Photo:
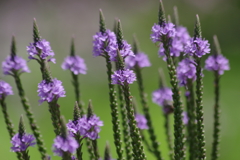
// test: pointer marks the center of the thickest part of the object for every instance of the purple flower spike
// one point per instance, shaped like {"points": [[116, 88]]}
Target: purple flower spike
{"points": [[49, 91], [104, 42], [75, 64], [186, 70], [14, 64], [162, 95], [140, 60], [41, 49], [5, 89], [175, 49], [124, 52], [68, 144], [182, 35], [90, 127], [197, 47], [141, 121], [123, 76], [217, 63], [168, 30], [22, 143]]}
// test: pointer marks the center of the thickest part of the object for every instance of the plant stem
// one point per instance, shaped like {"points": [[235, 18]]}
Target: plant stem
{"points": [[168, 134]]}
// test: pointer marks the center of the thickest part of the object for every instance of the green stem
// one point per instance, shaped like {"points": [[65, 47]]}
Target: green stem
{"points": [[199, 111], [95, 149], [55, 116], [168, 134], [9, 123], [191, 126], [216, 128], [114, 111], [90, 149], [154, 142], [79, 149], [25, 155], [138, 149], [29, 114], [179, 149], [66, 156]]}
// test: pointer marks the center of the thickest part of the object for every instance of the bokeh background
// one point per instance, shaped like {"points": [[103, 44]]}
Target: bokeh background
{"points": [[58, 20]]}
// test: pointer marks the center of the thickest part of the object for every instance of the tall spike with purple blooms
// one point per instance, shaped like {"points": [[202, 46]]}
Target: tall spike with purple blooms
{"points": [[77, 66], [5, 90], [21, 141], [164, 32], [124, 77], [218, 64], [64, 145], [140, 61], [15, 66], [103, 42]]}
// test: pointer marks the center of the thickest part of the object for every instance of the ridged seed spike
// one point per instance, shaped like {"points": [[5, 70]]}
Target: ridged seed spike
{"points": [[175, 16], [119, 35], [36, 35], [115, 26], [64, 132], [13, 47], [161, 14], [120, 62], [102, 26], [107, 155], [76, 112], [135, 45], [162, 82], [197, 29], [21, 127], [72, 51], [90, 109], [216, 46]]}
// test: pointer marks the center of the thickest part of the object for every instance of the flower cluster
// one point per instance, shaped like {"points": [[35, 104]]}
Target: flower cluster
{"points": [[141, 60], [162, 95], [22, 142], [167, 29], [49, 91], [197, 47], [186, 70], [125, 51], [141, 121], [123, 76], [75, 64], [64, 144], [14, 64], [217, 63], [5, 89], [86, 127], [42, 49], [104, 42]]}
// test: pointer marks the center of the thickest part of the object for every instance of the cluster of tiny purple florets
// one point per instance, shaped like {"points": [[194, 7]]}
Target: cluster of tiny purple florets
{"points": [[64, 144], [21, 143], [141, 121], [159, 31], [122, 77], [86, 127], [217, 63], [162, 95], [14, 64], [75, 64], [141, 60], [49, 91], [186, 70], [197, 47], [104, 43], [42, 49], [5, 89]]}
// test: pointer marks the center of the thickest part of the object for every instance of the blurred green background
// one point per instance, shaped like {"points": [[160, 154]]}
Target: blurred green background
{"points": [[58, 20]]}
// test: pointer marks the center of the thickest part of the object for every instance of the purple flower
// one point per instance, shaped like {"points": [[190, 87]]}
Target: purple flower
{"points": [[49, 91], [217, 63], [68, 144], [42, 49], [123, 76], [104, 42], [124, 52], [5, 89], [176, 48], [167, 29], [140, 60], [182, 35], [75, 64], [197, 47], [162, 95], [185, 118], [14, 64], [186, 70], [141, 121], [21, 143], [86, 127]]}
